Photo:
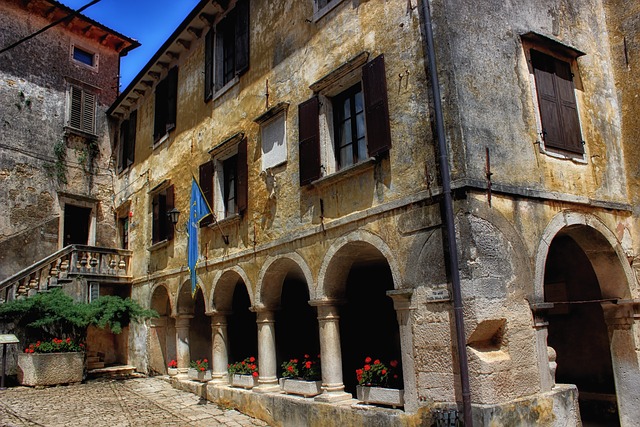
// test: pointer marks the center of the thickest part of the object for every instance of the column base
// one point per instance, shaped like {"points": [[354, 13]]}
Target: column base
{"points": [[333, 396], [267, 386], [219, 378]]}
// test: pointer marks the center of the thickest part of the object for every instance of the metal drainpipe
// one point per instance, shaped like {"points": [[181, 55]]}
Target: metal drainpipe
{"points": [[449, 221]]}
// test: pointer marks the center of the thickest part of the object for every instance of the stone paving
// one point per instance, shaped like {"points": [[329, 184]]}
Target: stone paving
{"points": [[114, 403]]}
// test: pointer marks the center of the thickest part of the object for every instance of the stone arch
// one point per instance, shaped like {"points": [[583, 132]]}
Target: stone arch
{"points": [[599, 244], [158, 291], [184, 299], [360, 246], [224, 285], [161, 341], [272, 276]]}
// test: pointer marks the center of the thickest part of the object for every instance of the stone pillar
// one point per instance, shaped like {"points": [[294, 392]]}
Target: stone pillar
{"points": [[157, 345], [621, 321], [402, 304], [182, 342], [541, 326], [267, 363], [219, 346], [330, 352]]}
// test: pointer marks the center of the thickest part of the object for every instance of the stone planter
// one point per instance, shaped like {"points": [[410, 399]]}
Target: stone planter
{"points": [[40, 369], [202, 376], [379, 395], [244, 381], [300, 387], [172, 371]]}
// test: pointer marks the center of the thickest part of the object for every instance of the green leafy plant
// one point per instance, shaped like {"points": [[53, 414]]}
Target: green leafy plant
{"points": [[307, 369], [247, 366], [59, 167], [56, 345], [54, 314], [199, 365], [376, 373]]}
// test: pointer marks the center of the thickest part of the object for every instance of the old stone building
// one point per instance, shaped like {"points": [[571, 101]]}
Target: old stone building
{"points": [[56, 172], [312, 128]]}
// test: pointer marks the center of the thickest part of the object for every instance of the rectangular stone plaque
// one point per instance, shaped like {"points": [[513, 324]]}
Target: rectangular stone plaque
{"points": [[8, 339]]}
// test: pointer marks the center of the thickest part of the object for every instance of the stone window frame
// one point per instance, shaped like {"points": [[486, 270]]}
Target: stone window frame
{"points": [[234, 146], [75, 46], [320, 11]]}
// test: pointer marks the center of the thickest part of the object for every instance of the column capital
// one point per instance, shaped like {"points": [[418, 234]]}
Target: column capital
{"points": [[327, 302], [401, 298], [216, 313]]}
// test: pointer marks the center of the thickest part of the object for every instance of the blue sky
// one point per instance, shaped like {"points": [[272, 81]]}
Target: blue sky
{"points": [[150, 22]]}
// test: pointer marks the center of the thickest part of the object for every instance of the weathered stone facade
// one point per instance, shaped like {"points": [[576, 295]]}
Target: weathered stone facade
{"points": [[49, 160], [351, 263]]}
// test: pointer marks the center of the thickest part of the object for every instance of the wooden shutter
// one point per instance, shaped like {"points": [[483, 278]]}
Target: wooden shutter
{"points": [[75, 109], [160, 116], [557, 103], [208, 66], [122, 142], [169, 204], [206, 185], [131, 137], [218, 69], [374, 86], [88, 112], [242, 175], [155, 215], [172, 98], [242, 36], [309, 140]]}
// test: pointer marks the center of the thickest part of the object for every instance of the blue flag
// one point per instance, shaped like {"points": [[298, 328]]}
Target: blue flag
{"points": [[198, 209]]}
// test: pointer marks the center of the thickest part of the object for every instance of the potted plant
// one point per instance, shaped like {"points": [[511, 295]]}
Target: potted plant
{"points": [[244, 373], [51, 362], [172, 368], [199, 370], [302, 377], [379, 384]]}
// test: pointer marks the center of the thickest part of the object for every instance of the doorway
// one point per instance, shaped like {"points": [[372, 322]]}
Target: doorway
{"points": [[76, 225]]}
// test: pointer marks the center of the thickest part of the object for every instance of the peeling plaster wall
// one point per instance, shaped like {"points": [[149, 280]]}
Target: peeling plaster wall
{"points": [[34, 79]]}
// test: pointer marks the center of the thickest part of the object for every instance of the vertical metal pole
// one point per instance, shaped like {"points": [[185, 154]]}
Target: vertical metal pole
{"points": [[449, 219]]}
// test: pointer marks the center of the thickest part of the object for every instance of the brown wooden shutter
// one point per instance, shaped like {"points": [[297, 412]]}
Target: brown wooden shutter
{"points": [[155, 215], [170, 204], [122, 142], [88, 112], [242, 36], [374, 86], [242, 175], [160, 116], [206, 185], [172, 98], [208, 66], [309, 140], [218, 65], [556, 100], [131, 137], [75, 109]]}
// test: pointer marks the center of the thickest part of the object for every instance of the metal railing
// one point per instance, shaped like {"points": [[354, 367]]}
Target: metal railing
{"points": [[95, 263]]}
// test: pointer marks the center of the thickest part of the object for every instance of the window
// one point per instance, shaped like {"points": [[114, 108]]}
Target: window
{"points": [[322, 7], [82, 110], [123, 225], [273, 135], [127, 141], [94, 291], [166, 105], [341, 127], [206, 185], [231, 49], [84, 57], [557, 103], [162, 202], [230, 190]]}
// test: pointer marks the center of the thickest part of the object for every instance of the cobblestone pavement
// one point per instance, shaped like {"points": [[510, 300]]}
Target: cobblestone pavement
{"points": [[114, 403]]}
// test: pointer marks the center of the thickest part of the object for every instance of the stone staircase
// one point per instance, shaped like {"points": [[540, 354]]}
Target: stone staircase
{"points": [[95, 360]]}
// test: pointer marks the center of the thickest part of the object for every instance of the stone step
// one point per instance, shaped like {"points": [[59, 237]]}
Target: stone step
{"points": [[117, 371], [95, 365]]}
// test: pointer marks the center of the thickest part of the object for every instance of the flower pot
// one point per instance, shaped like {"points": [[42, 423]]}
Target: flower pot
{"points": [[202, 376], [172, 371], [301, 387], [40, 369], [379, 395], [244, 381]]}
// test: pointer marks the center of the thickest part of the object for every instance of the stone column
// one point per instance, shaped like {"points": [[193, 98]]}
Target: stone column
{"points": [[219, 346], [182, 342], [330, 352], [621, 321], [541, 326], [157, 344], [267, 363], [402, 304]]}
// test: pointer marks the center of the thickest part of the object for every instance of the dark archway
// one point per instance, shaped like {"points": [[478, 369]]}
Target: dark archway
{"points": [[199, 330], [578, 332], [241, 326]]}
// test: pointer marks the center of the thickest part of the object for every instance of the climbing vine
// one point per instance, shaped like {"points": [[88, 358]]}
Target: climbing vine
{"points": [[59, 167]]}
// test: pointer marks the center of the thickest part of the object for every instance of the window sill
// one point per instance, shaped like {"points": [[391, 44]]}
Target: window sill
{"points": [[564, 155], [328, 8], [345, 173], [162, 139], [232, 219], [68, 130], [156, 246], [231, 83]]}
